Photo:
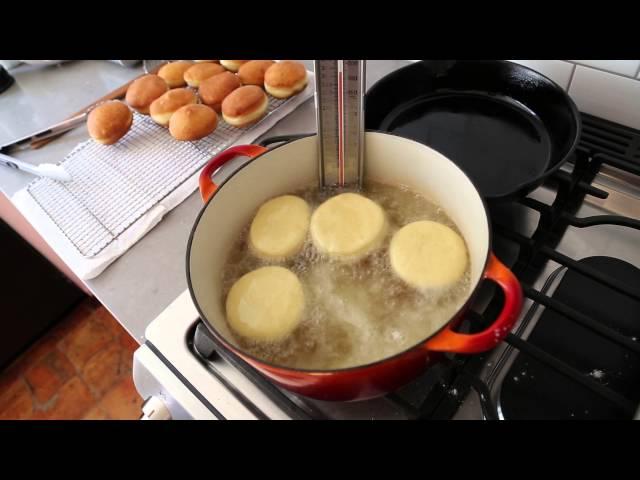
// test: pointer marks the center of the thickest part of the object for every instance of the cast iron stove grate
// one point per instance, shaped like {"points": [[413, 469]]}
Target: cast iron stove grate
{"points": [[582, 358]]}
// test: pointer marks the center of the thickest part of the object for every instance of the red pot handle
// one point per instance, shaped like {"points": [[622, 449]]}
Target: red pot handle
{"points": [[207, 187], [450, 341]]}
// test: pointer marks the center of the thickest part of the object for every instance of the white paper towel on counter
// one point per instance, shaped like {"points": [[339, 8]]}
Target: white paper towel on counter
{"points": [[90, 267]]}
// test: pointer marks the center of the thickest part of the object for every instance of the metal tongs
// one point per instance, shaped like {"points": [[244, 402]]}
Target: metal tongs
{"points": [[57, 129], [339, 97]]}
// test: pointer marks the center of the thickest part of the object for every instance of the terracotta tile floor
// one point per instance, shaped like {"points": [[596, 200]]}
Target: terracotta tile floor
{"points": [[81, 369]]}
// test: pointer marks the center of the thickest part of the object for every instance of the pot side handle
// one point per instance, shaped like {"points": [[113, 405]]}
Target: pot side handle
{"points": [[283, 139], [207, 187], [450, 341]]}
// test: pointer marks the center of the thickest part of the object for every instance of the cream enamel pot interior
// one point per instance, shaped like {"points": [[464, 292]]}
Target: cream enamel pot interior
{"points": [[388, 159]]}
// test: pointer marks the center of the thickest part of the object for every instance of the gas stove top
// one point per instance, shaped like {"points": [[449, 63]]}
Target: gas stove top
{"points": [[575, 352]]}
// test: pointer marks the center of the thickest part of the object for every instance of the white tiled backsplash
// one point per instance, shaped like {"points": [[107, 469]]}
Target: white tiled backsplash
{"points": [[609, 89]]}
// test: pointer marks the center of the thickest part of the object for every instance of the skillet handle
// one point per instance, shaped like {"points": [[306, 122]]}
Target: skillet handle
{"points": [[450, 341], [207, 187]]}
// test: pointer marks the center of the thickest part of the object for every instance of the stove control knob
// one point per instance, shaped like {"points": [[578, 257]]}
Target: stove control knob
{"points": [[154, 409]]}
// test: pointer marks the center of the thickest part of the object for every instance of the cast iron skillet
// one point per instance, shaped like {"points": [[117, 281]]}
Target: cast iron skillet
{"points": [[507, 126]]}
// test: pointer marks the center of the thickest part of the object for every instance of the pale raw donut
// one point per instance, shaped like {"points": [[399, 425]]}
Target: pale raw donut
{"points": [[280, 227], [428, 254], [266, 304], [348, 226]]}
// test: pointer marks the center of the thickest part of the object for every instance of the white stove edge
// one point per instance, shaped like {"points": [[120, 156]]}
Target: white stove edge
{"points": [[153, 377]]}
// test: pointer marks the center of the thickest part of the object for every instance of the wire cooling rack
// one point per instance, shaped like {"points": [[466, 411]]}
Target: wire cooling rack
{"points": [[115, 185]]}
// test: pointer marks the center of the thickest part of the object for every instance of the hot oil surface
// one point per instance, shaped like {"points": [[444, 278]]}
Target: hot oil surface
{"points": [[355, 313]]}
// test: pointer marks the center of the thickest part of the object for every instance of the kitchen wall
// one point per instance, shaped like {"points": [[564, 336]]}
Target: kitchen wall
{"points": [[609, 89]]}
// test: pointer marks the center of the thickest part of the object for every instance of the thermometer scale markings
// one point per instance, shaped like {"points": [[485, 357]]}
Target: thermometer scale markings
{"points": [[353, 128], [339, 86]]}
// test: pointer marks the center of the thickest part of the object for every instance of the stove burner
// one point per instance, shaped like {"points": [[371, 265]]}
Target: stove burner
{"points": [[533, 390]]}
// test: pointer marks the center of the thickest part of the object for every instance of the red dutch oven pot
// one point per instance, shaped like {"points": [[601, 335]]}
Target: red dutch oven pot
{"points": [[393, 160]]}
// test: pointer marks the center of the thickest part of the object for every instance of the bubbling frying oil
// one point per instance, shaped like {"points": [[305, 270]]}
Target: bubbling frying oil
{"points": [[355, 313]]}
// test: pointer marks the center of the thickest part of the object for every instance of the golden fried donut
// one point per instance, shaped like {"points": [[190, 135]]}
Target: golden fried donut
{"points": [[233, 65], [164, 107], [201, 71], [173, 73], [193, 122], [285, 79], [244, 106], [215, 89], [109, 122], [252, 72], [143, 91]]}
